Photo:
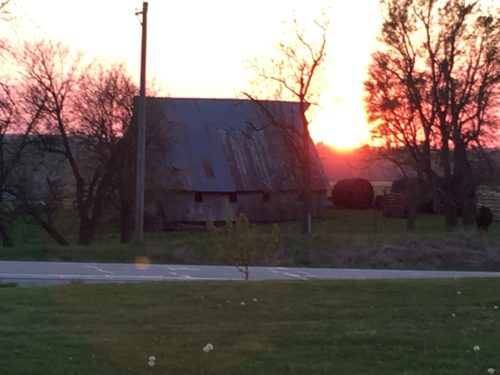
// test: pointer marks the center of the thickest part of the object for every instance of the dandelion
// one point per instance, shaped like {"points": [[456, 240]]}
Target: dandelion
{"points": [[255, 299], [491, 370], [476, 348], [151, 360], [207, 348]]}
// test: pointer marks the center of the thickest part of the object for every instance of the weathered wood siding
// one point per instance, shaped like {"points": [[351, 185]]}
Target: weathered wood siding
{"points": [[175, 207]]}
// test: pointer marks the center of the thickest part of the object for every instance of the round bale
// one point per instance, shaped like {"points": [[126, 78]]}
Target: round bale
{"points": [[354, 193]]}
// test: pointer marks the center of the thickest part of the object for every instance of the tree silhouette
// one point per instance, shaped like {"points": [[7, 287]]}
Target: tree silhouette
{"points": [[103, 112], [433, 91], [85, 111], [4, 10], [17, 122], [295, 74]]}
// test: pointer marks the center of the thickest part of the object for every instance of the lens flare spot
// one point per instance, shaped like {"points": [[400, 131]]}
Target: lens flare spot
{"points": [[142, 262]]}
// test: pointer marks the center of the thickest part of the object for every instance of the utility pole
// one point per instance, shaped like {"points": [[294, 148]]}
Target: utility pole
{"points": [[141, 134]]}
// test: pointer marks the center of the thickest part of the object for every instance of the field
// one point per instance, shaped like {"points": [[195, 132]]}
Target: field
{"points": [[315, 327], [344, 238]]}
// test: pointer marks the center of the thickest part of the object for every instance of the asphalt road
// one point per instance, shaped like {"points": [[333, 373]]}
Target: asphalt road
{"points": [[48, 273]]}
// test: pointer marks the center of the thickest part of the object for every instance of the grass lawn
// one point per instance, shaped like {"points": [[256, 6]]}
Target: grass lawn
{"points": [[315, 327]]}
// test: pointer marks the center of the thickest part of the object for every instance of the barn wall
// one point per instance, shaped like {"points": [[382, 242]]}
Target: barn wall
{"points": [[279, 207], [181, 207]]}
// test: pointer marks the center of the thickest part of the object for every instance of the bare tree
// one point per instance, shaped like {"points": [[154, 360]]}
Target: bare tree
{"points": [[11, 147], [5, 16], [5, 13], [16, 125], [103, 111], [85, 111], [50, 74], [17, 122], [17, 159], [433, 90], [294, 74]]}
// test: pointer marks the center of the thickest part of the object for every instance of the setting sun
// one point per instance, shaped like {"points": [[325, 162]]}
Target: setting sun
{"points": [[340, 120], [343, 127]]}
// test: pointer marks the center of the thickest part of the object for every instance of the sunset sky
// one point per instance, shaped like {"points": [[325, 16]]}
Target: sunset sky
{"points": [[199, 48]]}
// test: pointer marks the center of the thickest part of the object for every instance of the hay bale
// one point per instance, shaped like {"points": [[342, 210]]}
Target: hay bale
{"points": [[356, 193]]}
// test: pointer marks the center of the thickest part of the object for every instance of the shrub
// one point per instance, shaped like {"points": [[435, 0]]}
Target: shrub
{"points": [[241, 244]]}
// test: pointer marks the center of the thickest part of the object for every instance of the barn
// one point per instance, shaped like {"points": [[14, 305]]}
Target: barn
{"points": [[212, 159]]}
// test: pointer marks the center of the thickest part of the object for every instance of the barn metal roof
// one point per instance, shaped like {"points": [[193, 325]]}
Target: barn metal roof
{"points": [[212, 146]]}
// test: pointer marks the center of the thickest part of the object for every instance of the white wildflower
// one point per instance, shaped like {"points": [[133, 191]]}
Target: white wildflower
{"points": [[459, 292], [207, 348], [454, 315], [242, 303], [151, 363], [255, 299], [152, 358], [476, 348], [491, 370], [495, 307]]}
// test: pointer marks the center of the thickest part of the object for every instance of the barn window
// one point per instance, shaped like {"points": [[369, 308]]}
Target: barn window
{"points": [[266, 197], [198, 197], [232, 198]]}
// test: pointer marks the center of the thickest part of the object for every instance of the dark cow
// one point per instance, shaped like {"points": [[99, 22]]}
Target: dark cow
{"points": [[484, 217]]}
